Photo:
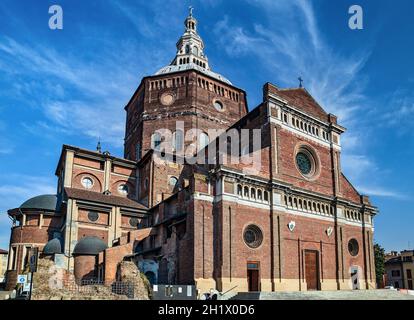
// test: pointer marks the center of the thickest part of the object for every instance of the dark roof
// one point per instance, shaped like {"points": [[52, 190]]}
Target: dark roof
{"points": [[394, 260], [3, 251], [89, 246], [102, 198], [301, 99], [45, 202], [54, 246]]}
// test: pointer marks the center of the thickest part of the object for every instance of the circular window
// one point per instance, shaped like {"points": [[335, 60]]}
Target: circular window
{"points": [[134, 222], [218, 105], [167, 99], [93, 216], [253, 236], [87, 183], [123, 189], [353, 247], [306, 162]]}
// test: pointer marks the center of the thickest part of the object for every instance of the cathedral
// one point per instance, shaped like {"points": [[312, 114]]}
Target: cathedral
{"points": [[286, 220]]}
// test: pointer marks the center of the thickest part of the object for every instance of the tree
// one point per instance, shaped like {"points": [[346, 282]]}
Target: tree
{"points": [[379, 253]]}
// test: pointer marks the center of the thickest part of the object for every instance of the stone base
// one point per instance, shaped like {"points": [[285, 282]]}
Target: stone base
{"points": [[240, 285], [329, 285], [205, 285]]}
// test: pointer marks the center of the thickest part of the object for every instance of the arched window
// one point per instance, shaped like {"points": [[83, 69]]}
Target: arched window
{"points": [[259, 195], [246, 192], [195, 50], [173, 182], [177, 140], [156, 141], [253, 193], [203, 141], [239, 190], [187, 49], [266, 196]]}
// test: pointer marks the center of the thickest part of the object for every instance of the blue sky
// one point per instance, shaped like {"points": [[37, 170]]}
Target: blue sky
{"points": [[70, 86]]}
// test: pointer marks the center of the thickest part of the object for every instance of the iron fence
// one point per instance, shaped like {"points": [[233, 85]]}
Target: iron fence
{"points": [[92, 286]]}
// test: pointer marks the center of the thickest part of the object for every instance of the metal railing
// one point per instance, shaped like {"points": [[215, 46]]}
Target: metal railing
{"points": [[91, 286]]}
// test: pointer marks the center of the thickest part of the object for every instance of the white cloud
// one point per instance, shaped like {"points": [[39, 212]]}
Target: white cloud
{"points": [[102, 85], [379, 192], [17, 188], [400, 112], [291, 46]]}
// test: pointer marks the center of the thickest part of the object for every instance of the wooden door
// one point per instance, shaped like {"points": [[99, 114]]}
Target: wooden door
{"points": [[253, 279], [311, 270], [253, 276]]}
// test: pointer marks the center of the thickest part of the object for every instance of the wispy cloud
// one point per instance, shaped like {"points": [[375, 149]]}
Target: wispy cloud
{"points": [[293, 45], [17, 188], [379, 192], [399, 113], [84, 94]]}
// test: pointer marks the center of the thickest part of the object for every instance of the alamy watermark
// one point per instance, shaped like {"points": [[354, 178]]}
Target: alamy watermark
{"points": [[56, 20], [356, 21]]}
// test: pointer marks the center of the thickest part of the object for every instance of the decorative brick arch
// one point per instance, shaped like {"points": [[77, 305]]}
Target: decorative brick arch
{"points": [[97, 183]]}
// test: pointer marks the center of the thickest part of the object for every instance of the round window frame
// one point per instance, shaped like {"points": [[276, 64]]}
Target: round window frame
{"points": [[314, 159], [259, 236], [220, 103], [355, 244], [89, 178], [123, 192], [133, 225], [164, 101], [93, 219]]}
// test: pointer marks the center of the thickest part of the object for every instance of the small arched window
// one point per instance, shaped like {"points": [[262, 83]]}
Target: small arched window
{"points": [[266, 196], [203, 141], [239, 190], [246, 192], [187, 49], [156, 141], [259, 195], [173, 182], [177, 140], [195, 50], [253, 193]]}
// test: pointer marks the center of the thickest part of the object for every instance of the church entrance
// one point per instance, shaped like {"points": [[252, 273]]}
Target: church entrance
{"points": [[312, 269], [253, 276], [355, 278]]}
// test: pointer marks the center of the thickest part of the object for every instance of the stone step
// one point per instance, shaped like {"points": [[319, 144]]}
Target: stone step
{"points": [[325, 295]]}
